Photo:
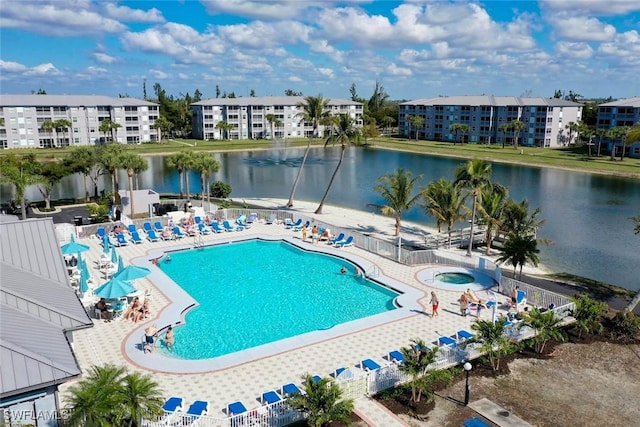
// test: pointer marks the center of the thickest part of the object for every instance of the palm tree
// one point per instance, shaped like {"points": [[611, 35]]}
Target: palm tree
{"points": [[49, 174], [546, 327], [130, 162], [180, 162], [110, 160], [225, 129], [571, 127], [274, 121], [140, 398], [417, 359], [206, 165], [633, 134], [114, 130], [396, 190], [516, 127], [494, 342], [443, 200], [63, 125], [520, 249], [600, 133], [517, 219], [491, 206], [138, 168], [19, 172], [417, 122], [49, 127], [162, 126], [344, 132], [322, 402], [504, 128], [473, 176], [617, 134], [387, 121], [461, 128], [105, 128], [588, 314], [85, 160], [314, 111]]}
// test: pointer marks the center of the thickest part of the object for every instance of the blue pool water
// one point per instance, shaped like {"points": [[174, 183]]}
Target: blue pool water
{"points": [[256, 292]]}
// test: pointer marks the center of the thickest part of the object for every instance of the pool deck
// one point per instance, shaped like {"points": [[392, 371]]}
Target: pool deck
{"points": [[247, 378]]}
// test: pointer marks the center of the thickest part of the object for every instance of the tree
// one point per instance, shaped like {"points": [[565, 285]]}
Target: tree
{"points": [[130, 161], [291, 92], [180, 162], [504, 128], [274, 121], [518, 220], [314, 110], [633, 135], [474, 176], [224, 128], [110, 159], [600, 133], [417, 359], [114, 130], [322, 402], [617, 135], [443, 200], [491, 207], [217, 91], [49, 174], [571, 127], [344, 132], [110, 397], [205, 165], [163, 126], [63, 125], [494, 342], [19, 172], [138, 168], [378, 98], [518, 250], [516, 126], [546, 327], [417, 122], [49, 127], [252, 93], [588, 314], [85, 160], [459, 128], [396, 191]]}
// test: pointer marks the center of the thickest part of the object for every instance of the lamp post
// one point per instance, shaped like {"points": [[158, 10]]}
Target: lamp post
{"points": [[467, 367]]}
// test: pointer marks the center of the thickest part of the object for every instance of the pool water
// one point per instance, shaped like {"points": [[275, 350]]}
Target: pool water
{"points": [[455, 278], [256, 292]]}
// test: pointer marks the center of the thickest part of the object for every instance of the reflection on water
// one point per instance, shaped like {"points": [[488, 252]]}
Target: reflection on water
{"points": [[587, 216]]}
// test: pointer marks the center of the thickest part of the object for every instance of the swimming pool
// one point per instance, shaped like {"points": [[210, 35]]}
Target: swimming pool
{"points": [[455, 278], [256, 292]]}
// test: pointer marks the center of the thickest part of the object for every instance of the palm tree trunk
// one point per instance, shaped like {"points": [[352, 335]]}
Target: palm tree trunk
{"points": [[130, 173], [86, 188], [295, 183], [202, 186], [634, 302], [113, 186], [181, 184], [186, 180], [333, 177], [473, 220]]}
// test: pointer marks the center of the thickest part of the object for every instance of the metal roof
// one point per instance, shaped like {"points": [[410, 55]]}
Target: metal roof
{"points": [[37, 307], [69, 101], [496, 101], [269, 100], [629, 102]]}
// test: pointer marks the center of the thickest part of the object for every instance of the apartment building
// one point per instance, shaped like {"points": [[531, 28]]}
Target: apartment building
{"points": [[247, 117], [545, 119], [624, 112], [23, 117]]}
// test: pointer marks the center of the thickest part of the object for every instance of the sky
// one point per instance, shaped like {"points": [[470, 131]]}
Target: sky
{"points": [[416, 49]]}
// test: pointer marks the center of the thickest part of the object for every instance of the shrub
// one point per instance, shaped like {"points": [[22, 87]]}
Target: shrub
{"points": [[625, 326], [588, 314], [220, 190]]}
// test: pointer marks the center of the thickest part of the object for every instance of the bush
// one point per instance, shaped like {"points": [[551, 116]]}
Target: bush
{"points": [[220, 190], [625, 326]]}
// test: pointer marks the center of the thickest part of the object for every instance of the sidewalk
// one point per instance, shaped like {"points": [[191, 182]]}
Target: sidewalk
{"points": [[376, 415]]}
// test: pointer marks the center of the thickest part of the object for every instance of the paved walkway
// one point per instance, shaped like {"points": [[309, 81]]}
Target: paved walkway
{"points": [[497, 414], [376, 415]]}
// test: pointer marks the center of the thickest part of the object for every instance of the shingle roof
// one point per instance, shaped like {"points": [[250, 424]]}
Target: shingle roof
{"points": [[69, 100], [496, 101], [629, 102], [37, 307], [269, 100]]}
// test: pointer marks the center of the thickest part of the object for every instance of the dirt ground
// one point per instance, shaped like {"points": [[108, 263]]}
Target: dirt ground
{"points": [[596, 384]]}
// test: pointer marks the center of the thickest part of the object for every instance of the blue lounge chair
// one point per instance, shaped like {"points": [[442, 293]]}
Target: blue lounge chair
{"points": [[474, 422], [216, 227], [197, 409], [464, 335], [343, 373], [339, 238], [236, 408], [173, 404], [178, 233], [271, 219], [147, 227], [294, 224], [396, 356], [135, 237], [204, 229], [289, 389], [253, 217], [131, 228], [316, 378], [300, 227], [269, 397], [101, 232], [446, 341], [227, 226], [369, 365], [121, 240], [242, 221], [152, 236], [344, 243], [157, 226], [521, 297], [198, 220]]}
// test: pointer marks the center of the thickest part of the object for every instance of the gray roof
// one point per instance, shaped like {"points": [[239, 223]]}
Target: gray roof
{"points": [[496, 101], [37, 307], [269, 100], [69, 101], [629, 102]]}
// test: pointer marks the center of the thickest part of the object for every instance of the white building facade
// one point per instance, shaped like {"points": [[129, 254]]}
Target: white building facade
{"points": [[248, 116], [545, 119], [24, 115]]}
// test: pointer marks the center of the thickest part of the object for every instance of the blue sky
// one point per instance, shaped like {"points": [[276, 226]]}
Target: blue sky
{"points": [[417, 49]]}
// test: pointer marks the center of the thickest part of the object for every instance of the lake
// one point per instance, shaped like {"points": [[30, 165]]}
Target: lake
{"points": [[587, 216]]}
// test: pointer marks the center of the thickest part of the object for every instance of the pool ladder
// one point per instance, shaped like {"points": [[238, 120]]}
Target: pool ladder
{"points": [[198, 241], [372, 272]]}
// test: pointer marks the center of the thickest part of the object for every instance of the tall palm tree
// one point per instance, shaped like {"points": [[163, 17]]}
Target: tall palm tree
{"points": [[633, 134], [571, 127], [85, 160], [63, 125], [504, 128], [600, 133], [396, 189], [315, 111], [443, 200], [517, 218], [162, 126], [273, 121], [105, 128], [138, 168], [130, 161], [140, 397], [617, 134], [322, 402], [49, 174], [491, 207], [225, 129], [417, 359], [21, 173], [49, 127], [520, 249], [494, 342], [459, 128], [205, 165], [417, 122], [114, 131], [516, 127], [110, 159], [344, 132], [180, 162], [473, 176]]}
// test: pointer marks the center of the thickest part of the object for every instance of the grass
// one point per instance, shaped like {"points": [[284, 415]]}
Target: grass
{"points": [[569, 158]]}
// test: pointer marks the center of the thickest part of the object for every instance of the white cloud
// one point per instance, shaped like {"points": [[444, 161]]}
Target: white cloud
{"points": [[281, 9], [623, 50], [42, 69], [297, 63], [327, 72], [104, 58], [11, 67], [591, 7], [183, 76], [295, 79], [161, 75], [394, 70], [259, 34], [57, 19], [127, 14], [96, 70], [582, 28], [574, 50]]}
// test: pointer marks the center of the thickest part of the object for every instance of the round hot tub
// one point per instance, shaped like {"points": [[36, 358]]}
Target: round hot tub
{"points": [[455, 278]]}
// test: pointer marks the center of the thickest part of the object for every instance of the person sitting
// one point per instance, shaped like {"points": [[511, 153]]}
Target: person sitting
{"points": [[326, 234], [167, 234], [132, 310], [117, 229], [104, 309], [142, 313], [207, 220]]}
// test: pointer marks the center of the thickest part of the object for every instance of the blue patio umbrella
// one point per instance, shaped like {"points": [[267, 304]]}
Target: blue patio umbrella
{"points": [[114, 256], [120, 265], [114, 288], [73, 247], [132, 272], [105, 244], [84, 281]]}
